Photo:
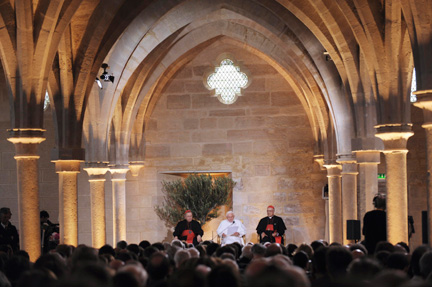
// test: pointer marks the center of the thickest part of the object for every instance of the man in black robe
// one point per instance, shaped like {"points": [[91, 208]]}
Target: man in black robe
{"points": [[8, 232], [188, 229], [271, 228]]}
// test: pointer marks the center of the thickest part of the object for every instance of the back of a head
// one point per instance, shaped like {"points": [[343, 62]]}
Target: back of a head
{"points": [[272, 250], [121, 244], [258, 249], [53, 262], [106, 249], [15, 267], [301, 259], [144, 244], [363, 269], [426, 264], [134, 248], [274, 276], [415, 259], [398, 261], [384, 246], [226, 249], [306, 248], [36, 278], [84, 254], [319, 261], [247, 252], [181, 256], [211, 248], [338, 258], [158, 266], [379, 201], [137, 271], [122, 279], [90, 274], [223, 275], [189, 277]]}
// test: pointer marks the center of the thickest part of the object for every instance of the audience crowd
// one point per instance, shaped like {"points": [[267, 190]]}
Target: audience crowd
{"points": [[177, 264]]}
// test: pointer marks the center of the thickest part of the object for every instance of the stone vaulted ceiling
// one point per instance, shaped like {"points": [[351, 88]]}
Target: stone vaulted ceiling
{"points": [[59, 46]]}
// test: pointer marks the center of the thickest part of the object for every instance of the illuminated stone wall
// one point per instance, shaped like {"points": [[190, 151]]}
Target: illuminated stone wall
{"points": [[264, 139]]}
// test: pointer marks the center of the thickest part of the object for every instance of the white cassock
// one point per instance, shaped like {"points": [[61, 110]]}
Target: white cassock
{"points": [[230, 228]]}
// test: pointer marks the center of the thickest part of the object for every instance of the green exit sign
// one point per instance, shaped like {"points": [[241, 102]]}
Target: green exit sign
{"points": [[381, 176]]}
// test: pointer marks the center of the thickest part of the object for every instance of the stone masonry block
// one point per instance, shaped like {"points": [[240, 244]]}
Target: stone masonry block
{"points": [[195, 87], [208, 123], [225, 123], [228, 113], [209, 136], [286, 98], [190, 124], [251, 99], [157, 151], [262, 170], [217, 149], [178, 102], [184, 73], [242, 148], [175, 86]]}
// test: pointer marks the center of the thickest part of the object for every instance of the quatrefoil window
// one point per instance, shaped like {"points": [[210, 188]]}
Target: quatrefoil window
{"points": [[227, 81]]}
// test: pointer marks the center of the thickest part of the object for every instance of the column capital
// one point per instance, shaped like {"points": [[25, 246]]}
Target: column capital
{"points": [[118, 172], [333, 170], [345, 158], [368, 156], [319, 159], [135, 167], [72, 166], [424, 99], [26, 142], [394, 136], [96, 170]]}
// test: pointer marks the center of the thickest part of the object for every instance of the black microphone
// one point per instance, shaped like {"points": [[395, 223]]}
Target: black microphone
{"points": [[233, 221]]}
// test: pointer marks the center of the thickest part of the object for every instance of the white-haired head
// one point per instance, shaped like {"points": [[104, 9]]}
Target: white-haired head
{"points": [[230, 216]]}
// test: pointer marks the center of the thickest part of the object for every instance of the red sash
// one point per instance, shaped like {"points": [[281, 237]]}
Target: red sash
{"points": [[278, 239], [190, 235]]}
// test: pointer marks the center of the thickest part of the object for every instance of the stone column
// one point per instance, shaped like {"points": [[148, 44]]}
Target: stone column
{"points": [[319, 159], [97, 197], [68, 200], [368, 161], [424, 101], [335, 202], [349, 196], [118, 178], [395, 138], [26, 144]]}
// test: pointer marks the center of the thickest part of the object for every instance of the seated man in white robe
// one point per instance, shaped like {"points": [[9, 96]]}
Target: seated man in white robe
{"points": [[231, 230]]}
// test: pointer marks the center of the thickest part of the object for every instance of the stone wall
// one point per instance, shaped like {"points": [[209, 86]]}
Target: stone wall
{"points": [[264, 140]]}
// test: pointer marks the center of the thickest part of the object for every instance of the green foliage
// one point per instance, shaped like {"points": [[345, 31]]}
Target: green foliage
{"points": [[202, 194]]}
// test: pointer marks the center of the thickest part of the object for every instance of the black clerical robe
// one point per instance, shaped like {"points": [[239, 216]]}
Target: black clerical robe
{"points": [[9, 236], [184, 226], [278, 226]]}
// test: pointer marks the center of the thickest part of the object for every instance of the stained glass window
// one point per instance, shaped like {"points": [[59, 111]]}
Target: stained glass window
{"points": [[46, 101], [227, 81]]}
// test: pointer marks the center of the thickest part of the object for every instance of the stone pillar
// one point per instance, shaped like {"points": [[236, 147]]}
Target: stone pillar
{"points": [[349, 195], [368, 161], [68, 200], [26, 144], [319, 159], [97, 197], [335, 202], [424, 101], [118, 178], [395, 138]]}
